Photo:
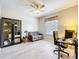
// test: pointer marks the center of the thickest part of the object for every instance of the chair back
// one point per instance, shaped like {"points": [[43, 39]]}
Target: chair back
{"points": [[55, 36]]}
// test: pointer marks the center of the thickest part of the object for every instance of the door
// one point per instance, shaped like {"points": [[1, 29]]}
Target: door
{"points": [[17, 31], [7, 32]]}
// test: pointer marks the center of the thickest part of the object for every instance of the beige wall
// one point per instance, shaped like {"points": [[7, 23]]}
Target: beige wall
{"points": [[15, 10], [67, 17]]}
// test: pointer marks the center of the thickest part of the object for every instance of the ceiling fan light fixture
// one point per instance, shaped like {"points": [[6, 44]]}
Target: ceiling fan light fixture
{"points": [[37, 6], [37, 11]]}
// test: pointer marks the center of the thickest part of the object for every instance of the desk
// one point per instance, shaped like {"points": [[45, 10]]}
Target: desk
{"points": [[74, 43], [76, 48]]}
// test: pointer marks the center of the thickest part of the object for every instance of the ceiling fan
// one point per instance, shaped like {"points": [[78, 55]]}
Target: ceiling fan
{"points": [[36, 5]]}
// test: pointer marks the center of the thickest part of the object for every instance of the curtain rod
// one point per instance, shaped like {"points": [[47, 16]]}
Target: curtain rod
{"points": [[51, 17]]}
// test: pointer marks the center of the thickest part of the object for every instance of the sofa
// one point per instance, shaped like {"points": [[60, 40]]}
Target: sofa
{"points": [[35, 36]]}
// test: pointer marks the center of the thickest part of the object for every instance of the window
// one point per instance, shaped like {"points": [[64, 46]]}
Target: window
{"points": [[51, 26]]}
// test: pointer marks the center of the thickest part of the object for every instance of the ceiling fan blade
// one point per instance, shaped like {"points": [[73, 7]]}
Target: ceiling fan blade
{"points": [[42, 6]]}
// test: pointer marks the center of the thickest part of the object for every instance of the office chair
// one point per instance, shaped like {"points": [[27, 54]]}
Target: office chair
{"points": [[58, 43]]}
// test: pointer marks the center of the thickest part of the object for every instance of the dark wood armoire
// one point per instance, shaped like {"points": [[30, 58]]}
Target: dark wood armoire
{"points": [[10, 32]]}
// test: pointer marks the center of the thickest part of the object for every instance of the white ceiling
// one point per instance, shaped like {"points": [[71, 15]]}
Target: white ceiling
{"points": [[50, 6]]}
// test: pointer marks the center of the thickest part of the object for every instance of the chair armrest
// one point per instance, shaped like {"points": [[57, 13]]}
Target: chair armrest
{"points": [[63, 42]]}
